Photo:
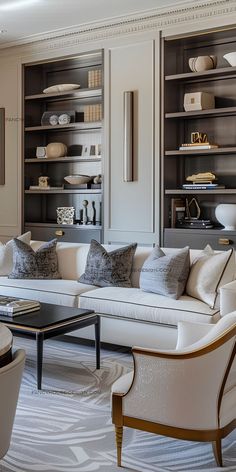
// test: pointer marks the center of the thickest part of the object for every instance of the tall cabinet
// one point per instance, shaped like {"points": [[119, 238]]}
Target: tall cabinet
{"points": [[131, 204], [218, 122], [82, 137]]}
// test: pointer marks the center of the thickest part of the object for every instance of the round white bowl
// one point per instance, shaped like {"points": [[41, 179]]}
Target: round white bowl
{"points": [[77, 179], [230, 58], [226, 215]]}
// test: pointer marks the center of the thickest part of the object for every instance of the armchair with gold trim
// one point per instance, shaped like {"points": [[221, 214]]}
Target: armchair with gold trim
{"points": [[188, 393]]}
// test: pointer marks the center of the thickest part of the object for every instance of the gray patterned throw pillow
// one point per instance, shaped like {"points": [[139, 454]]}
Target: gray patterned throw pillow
{"points": [[106, 269], [166, 274], [28, 264]]}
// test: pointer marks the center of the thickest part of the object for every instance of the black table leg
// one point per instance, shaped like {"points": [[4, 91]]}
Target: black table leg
{"points": [[39, 339], [97, 342]]}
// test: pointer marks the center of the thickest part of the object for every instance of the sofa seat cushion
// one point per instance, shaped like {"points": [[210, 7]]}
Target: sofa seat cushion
{"points": [[133, 303], [60, 292]]}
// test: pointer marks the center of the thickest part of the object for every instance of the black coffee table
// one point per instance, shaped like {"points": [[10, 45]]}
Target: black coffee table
{"points": [[49, 321]]}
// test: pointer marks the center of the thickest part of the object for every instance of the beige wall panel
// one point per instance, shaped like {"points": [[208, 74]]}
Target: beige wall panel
{"points": [[10, 218], [132, 203]]}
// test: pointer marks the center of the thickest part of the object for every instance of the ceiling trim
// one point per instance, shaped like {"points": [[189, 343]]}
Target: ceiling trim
{"points": [[155, 19]]}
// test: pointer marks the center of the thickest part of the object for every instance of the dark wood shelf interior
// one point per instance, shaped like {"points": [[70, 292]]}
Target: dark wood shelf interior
{"points": [[202, 152], [72, 94], [52, 160], [54, 224], [214, 112], [223, 191], [78, 126], [207, 74], [64, 191]]}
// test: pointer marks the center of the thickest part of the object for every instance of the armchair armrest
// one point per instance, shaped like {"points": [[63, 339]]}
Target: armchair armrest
{"points": [[228, 298]]}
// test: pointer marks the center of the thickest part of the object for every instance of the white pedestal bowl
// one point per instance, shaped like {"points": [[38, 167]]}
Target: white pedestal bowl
{"points": [[226, 215]]}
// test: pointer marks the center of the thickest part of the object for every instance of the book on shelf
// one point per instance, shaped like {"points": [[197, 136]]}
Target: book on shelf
{"points": [[178, 208], [197, 146], [48, 187], [11, 306], [203, 186]]}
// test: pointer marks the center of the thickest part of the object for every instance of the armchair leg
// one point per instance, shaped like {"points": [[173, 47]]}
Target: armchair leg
{"points": [[216, 446], [119, 438]]}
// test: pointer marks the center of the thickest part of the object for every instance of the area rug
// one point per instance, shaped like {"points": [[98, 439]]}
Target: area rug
{"points": [[67, 426]]}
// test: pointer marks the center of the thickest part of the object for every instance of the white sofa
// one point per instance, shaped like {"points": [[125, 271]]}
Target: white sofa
{"points": [[129, 315]]}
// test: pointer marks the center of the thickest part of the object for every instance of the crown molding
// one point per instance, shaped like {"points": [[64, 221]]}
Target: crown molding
{"points": [[149, 20]]}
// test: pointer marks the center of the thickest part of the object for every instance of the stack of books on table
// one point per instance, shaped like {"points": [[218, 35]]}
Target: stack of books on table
{"points": [[11, 306]]}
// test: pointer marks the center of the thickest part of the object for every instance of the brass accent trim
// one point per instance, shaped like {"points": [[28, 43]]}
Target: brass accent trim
{"points": [[228, 334], [59, 232], [224, 241], [49, 328]]}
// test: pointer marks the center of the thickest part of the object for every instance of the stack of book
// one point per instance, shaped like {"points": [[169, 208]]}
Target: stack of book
{"points": [[11, 306], [94, 78], [93, 113], [202, 181], [197, 146]]}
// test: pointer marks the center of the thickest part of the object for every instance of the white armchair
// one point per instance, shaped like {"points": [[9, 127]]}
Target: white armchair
{"points": [[187, 393], [10, 380]]}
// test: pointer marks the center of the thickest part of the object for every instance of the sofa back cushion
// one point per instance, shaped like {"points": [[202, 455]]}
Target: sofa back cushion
{"points": [[72, 259]]}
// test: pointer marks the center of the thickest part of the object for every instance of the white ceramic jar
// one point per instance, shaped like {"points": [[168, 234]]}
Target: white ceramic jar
{"points": [[226, 215]]}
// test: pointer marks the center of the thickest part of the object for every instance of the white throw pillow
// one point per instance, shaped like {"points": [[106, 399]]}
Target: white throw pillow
{"points": [[61, 88], [6, 254], [208, 273]]}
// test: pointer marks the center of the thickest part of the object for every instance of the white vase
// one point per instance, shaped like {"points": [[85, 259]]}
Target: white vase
{"points": [[226, 215]]}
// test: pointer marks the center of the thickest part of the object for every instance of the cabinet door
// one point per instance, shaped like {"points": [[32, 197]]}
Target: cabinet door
{"points": [[131, 208]]}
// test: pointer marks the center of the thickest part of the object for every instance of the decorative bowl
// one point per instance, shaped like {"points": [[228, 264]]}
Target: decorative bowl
{"points": [[201, 63], [77, 179], [230, 58], [226, 215]]}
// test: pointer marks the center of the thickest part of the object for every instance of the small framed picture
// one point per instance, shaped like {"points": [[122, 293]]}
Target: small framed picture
{"points": [[98, 150], [86, 150]]}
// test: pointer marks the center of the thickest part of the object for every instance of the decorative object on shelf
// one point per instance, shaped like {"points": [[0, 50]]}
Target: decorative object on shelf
{"points": [[93, 113], [85, 150], [201, 178], [201, 63], [61, 88], [41, 152], [177, 210], [95, 150], [94, 78], [55, 150], [53, 120], [230, 57], [77, 179], [202, 181], [43, 181], [64, 119], [65, 215], [198, 101], [198, 141], [85, 212], [193, 210], [93, 213], [97, 179], [226, 215], [193, 223], [52, 117]]}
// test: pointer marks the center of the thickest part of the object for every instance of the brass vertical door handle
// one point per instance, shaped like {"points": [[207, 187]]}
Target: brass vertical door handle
{"points": [[224, 241], [128, 137]]}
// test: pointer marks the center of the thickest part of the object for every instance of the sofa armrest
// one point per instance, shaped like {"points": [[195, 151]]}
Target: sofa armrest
{"points": [[189, 333], [228, 298]]}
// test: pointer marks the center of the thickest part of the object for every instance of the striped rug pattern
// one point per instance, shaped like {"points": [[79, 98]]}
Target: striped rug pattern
{"points": [[67, 426]]}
